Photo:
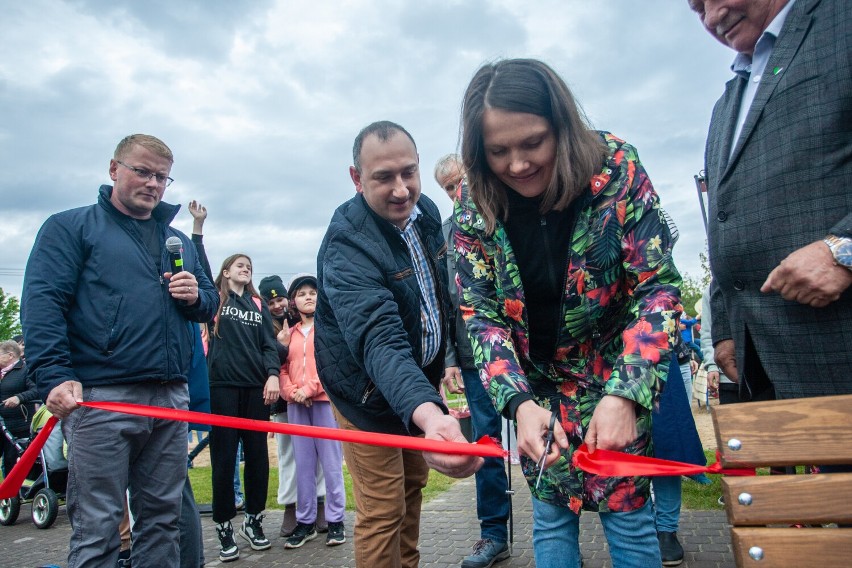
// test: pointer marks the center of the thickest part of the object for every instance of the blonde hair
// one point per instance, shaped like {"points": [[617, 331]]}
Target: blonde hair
{"points": [[148, 142]]}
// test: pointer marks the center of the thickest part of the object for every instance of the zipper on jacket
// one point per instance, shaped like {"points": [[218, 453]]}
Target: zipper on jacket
{"points": [[370, 388]]}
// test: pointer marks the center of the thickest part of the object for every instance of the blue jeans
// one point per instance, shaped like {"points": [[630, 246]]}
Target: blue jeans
{"points": [[667, 501], [492, 503], [631, 537]]}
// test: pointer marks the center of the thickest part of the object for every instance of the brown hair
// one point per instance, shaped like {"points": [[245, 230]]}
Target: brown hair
{"points": [[222, 285], [528, 86]]}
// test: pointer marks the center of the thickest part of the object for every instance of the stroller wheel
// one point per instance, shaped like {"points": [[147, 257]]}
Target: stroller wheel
{"points": [[9, 510], [45, 508]]}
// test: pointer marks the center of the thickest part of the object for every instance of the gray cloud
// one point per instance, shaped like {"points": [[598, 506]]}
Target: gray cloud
{"points": [[260, 102]]}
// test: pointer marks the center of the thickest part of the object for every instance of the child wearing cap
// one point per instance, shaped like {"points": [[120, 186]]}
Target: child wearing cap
{"points": [[308, 404], [274, 291]]}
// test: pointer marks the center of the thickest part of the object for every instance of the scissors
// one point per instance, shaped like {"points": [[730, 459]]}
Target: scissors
{"points": [[548, 442]]}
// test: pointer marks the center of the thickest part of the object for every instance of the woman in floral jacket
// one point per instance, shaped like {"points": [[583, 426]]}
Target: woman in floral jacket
{"points": [[569, 295]]}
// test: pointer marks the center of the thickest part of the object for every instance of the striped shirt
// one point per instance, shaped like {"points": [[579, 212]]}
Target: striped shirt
{"points": [[430, 318]]}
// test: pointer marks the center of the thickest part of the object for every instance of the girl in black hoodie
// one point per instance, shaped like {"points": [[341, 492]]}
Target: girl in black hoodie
{"points": [[244, 367]]}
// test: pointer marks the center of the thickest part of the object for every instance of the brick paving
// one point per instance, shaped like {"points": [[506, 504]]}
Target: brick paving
{"points": [[448, 530]]}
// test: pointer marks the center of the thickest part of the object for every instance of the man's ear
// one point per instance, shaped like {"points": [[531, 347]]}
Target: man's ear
{"points": [[356, 178], [113, 166]]}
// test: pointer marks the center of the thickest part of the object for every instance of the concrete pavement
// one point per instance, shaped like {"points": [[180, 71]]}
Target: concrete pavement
{"points": [[449, 529]]}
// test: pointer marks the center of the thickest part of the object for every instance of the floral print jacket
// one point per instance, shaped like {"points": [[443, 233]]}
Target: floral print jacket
{"points": [[619, 314]]}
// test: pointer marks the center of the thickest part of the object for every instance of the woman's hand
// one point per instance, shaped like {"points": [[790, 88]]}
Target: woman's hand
{"points": [[199, 214], [12, 402], [613, 425], [301, 398], [533, 422], [283, 336], [270, 390], [452, 380]]}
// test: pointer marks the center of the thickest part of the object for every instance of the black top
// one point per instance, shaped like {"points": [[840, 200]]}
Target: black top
{"points": [[541, 244], [243, 354], [16, 383]]}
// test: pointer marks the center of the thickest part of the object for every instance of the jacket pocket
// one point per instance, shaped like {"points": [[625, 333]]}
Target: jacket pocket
{"points": [[112, 306]]}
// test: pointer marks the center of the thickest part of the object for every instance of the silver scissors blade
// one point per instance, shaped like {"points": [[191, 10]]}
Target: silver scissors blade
{"points": [[548, 443]]}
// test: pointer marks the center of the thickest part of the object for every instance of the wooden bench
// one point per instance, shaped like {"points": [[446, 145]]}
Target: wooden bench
{"points": [[761, 509]]}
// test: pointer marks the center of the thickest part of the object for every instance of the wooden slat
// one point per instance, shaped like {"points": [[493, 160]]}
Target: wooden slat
{"points": [[790, 547], [786, 432], [786, 499]]}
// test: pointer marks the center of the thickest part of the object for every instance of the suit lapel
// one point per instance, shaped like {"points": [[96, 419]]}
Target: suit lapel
{"points": [[728, 122], [786, 46]]}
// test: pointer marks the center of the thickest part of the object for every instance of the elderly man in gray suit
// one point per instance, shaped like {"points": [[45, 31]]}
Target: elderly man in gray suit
{"points": [[779, 168]]}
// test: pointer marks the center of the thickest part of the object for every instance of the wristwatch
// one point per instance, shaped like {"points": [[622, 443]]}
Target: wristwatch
{"points": [[841, 250]]}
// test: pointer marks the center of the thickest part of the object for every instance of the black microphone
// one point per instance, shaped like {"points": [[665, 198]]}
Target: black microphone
{"points": [[175, 248]]}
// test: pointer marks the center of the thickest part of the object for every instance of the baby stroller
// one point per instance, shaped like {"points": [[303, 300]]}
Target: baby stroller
{"points": [[47, 480]]}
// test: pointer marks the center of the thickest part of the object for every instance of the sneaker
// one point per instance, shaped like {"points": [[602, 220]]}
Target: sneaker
{"points": [[721, 500], [288, 525], [228, 551], [336, 534], [485, 553], [670, 549], [123, 559], [322, 525], [252, 531], [301, 535]]}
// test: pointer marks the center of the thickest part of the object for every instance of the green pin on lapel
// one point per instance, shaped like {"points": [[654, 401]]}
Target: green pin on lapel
{"points": [[777, 70]]}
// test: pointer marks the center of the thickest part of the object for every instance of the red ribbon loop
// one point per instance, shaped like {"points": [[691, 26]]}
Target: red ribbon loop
{"points": [[618, 464]]}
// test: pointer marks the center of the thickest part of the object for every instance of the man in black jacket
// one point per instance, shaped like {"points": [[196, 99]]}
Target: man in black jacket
{"points": [[105, 319], [381, 323]]}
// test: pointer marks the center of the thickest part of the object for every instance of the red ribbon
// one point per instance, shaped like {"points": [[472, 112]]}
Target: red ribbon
{"points": [[16, 477], [485, 447], [603, 462], [618, 464]]}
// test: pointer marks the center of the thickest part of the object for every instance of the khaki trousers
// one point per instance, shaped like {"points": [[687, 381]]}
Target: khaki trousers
{"points": [[387, 484]]}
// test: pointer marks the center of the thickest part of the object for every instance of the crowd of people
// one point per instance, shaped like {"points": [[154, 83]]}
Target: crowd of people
{"points": [[549, 297]]}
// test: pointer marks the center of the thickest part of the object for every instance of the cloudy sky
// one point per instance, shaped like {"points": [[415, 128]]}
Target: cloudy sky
{"points": [[260, 102]]}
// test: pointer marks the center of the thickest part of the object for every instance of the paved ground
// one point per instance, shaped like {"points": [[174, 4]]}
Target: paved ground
{"points": [[449, 529]]}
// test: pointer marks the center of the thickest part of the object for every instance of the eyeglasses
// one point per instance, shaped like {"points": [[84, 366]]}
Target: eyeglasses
{"points": [[146, 175]]}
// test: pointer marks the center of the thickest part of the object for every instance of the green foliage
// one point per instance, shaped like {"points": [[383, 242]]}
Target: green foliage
{"points": [[10, 323], [690, 293], [693, 287]]}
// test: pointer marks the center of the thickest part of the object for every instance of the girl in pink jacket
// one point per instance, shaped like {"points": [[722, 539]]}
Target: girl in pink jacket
{"points": [[308, 404]]}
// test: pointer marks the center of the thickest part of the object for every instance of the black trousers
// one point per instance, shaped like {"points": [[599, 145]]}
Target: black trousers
{"points": [[242, 403]]}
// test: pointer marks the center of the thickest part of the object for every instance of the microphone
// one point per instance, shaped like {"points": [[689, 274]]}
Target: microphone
{"points": [[175, 248]]}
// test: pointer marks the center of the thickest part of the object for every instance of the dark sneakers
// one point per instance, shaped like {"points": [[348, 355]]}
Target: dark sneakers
{"points": [[485, 553], [252, 531], [228, 551], [670, 549], [336, 534], [301, 535]]}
